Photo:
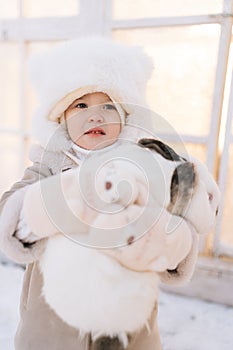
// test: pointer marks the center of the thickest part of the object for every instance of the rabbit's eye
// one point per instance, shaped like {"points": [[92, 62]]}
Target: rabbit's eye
{"points": [[210, 197]]}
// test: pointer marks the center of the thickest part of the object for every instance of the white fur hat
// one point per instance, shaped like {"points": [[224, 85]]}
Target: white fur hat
{"points": [[89, 64]]}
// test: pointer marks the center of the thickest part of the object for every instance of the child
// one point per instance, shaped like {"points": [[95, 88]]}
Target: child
{"points": [[89, 90]]}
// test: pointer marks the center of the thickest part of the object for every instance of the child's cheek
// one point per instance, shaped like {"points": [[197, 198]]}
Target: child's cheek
{"points": [[74, 128]]}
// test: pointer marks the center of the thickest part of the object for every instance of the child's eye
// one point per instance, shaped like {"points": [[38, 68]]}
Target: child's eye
{"points": [[109, 106], [81, 105]]}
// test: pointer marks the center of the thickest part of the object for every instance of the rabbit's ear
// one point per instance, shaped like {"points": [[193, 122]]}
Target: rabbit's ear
{"points": [[158, 146], [183, 184]]}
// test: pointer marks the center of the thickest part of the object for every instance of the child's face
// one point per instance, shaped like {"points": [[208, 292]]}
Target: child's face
{"points": [[93, 121]]}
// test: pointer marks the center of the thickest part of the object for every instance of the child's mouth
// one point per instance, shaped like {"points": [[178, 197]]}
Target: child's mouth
{"points": [[95, 131]]}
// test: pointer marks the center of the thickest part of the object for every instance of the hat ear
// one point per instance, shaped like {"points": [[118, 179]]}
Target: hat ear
{"points": [[159, 147]]}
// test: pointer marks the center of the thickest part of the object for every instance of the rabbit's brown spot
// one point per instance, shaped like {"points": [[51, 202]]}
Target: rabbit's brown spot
{"points": [[210, 196], [130, 240], [108, 185]]}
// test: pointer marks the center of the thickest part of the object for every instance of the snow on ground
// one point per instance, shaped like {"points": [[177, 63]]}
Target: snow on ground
{"points": [[193, 324], [10, 285], [185, 323]]}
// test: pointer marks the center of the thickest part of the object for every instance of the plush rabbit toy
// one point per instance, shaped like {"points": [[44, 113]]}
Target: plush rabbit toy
{"points": [[117, 225]]}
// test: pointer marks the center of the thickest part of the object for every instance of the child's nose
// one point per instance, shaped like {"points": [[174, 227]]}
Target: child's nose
{"points": [[95, 117]]}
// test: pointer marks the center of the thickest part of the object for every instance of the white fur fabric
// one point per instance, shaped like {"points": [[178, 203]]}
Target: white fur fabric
{"points": [[97, 62]]}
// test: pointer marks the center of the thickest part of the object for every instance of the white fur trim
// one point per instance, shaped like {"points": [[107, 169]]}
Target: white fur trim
{"points": [[119, 70], [51, 135]]}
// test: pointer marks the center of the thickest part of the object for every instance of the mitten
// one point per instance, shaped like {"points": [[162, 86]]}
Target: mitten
{"points": [[13, 247], [24, 232], [55, 205]]}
